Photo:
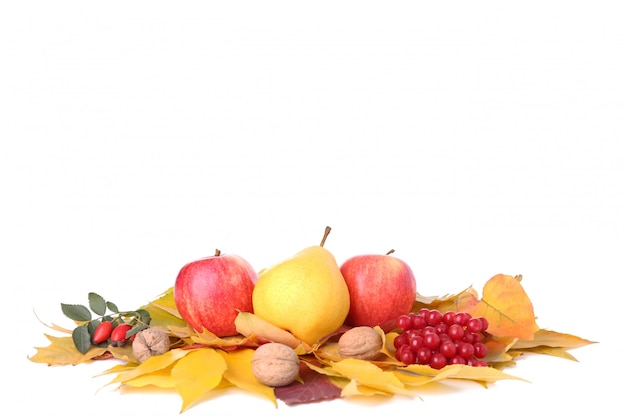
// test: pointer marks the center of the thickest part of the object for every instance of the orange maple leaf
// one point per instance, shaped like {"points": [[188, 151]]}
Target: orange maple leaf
{"points": [[507, 308]]}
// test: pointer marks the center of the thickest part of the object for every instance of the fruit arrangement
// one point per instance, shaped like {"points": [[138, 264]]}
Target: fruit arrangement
{"points": [[306, 329]]}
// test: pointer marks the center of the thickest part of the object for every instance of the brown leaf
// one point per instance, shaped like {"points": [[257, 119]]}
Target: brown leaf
{"points": [[253, 326]]}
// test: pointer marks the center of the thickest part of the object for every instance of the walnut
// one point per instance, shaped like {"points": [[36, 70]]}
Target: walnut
{"points": [[150, 342], [360, 343], [275, 364]]}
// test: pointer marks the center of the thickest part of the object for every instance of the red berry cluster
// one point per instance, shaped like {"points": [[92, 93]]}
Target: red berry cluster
{"points": [[437, 339]]}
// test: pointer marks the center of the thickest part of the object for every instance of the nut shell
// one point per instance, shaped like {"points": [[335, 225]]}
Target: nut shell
{"points": [[361, 342], [150, 342], [275, 364]]}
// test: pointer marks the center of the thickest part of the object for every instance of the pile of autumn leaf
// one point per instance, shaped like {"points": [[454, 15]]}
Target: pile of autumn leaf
{"points": [[201, 362]]}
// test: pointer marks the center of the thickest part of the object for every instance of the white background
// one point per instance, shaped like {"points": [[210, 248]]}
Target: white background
{"points": [[474, 138]]}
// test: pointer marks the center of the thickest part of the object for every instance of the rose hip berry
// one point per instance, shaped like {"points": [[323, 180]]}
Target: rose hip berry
{"points": [[118, 336], [102, 332], [429, 337]]}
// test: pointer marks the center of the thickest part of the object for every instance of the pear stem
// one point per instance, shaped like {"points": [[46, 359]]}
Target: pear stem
{"points": [[390, 252], [217, 252], [326, 233]]}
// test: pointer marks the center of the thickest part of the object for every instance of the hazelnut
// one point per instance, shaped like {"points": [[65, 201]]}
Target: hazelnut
{"points": [[360, 343], [150, 342], [275, 364]]}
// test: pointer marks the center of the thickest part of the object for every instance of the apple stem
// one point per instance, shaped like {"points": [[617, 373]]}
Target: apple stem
{"points": [[326, 232], [217, 252], [390, 252]]}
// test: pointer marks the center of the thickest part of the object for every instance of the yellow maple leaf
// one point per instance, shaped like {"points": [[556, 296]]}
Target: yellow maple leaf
{"points": [[151, 365], [62, 351], [196, 374], [160, 378]]}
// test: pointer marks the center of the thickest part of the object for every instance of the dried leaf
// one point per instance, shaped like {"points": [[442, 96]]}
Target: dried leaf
{"points": [[551, 351], [160, 378], [461, 301], [352, 387], [498, 350], [210, 339], [53, 326], [255, 327], [196, 374], [152, 364], [507, 307], [415, 378], [481, 374], [552, 339], [474, 373], [163, 311], [367, 374], [62, 351]]}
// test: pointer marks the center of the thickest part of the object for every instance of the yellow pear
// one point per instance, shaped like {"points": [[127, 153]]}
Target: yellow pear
{"points": [[305, 294]]}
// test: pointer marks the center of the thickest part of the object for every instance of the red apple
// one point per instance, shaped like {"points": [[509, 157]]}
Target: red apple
{"points": [[382, 288], [210, 292]]}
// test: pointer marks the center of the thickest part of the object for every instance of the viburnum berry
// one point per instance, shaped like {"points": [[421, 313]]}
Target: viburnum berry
{"points": [[400, 341], [423, 355], [448, 349], [457, 360], [456, 332], [430, 337], [462, 318], [438, 361], [407, 356], [417, 321], [102, 332], [432, 341], [404, 323], [475, 325], [434, 317], [448, 317], [466, 350], [480, 350], [416, 342]]}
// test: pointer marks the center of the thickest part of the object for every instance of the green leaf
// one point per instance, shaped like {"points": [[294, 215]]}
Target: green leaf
{"points": [[82, 339], [97, 304], [92, 325], [76, 312], [111, 306], [144, 316], [136, 330]]}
